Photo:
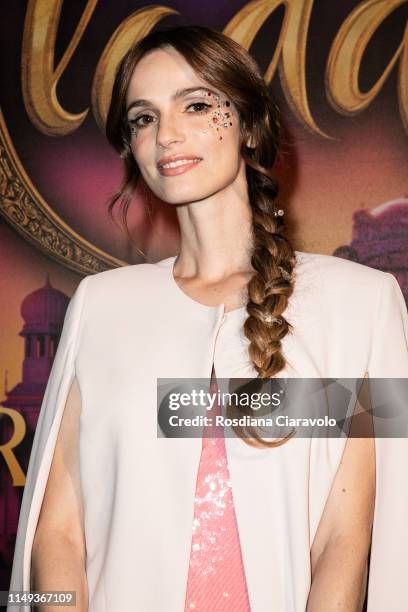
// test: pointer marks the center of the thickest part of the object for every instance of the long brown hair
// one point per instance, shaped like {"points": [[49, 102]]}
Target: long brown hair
{"points": [[227, 66]]}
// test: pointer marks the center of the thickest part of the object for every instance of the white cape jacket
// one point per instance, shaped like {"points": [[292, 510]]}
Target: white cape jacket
{"points": [[126, 327]]}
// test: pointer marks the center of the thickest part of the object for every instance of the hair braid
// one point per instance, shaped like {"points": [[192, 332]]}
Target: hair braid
{"points": [[269, 289], [273, 260]]}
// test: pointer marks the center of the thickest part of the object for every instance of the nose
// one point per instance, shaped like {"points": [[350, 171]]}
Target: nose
{"points": [[169, 131]]}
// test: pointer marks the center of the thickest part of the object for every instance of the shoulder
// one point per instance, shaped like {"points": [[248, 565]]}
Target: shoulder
{"points": [[361, 311], [337, 287], [120, 278], [334, 275], [120, 283], [336, 269], [127, 290]]}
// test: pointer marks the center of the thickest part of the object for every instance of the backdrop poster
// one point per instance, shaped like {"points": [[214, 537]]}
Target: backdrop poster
{"points": [[338, 70]]}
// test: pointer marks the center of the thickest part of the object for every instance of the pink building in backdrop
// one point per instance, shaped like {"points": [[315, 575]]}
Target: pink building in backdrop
{"points": [[43, 313], [380, 240]]}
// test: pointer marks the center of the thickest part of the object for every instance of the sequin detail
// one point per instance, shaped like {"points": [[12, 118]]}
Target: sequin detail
{"points": [[216, 578]]}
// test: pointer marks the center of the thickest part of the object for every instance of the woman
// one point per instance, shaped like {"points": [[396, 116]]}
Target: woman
{"points": [[191, 117]]}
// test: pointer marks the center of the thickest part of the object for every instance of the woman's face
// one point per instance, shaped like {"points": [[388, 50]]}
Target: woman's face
{"points": [[185, 134]]}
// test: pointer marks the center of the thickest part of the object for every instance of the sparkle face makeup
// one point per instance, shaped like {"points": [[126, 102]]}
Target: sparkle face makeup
{"points": [[221, 117], [185, 135]]}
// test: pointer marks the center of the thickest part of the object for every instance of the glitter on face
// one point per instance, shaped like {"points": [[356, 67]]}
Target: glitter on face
{"points": [[220, 116]]}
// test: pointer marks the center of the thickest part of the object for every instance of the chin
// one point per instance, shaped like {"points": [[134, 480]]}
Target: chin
{"points": [[185, 196], [187, 193]]}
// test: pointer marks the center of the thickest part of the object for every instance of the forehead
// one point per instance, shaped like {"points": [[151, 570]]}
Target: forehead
{"points": [[161, 72]]}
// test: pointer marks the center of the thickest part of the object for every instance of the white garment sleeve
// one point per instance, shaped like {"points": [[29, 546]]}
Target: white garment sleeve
{"points": [[387, 588], [49, 420]]}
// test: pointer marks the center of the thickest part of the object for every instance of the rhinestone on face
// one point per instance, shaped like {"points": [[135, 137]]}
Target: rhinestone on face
{"points": [[219, 115]]}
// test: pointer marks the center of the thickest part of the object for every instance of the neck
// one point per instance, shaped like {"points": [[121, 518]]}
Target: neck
{"points": [[216, 235]]}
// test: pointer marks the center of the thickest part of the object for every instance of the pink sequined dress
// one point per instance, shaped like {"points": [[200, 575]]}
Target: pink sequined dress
{"points": [[216, 578]]}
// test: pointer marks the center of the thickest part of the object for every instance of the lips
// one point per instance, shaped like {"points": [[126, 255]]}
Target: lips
{"points": [[177, 164], [174, 160]]}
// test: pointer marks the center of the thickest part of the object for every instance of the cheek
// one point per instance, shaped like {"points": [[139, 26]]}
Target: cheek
{"points": [[141, 147], [222, 119]]}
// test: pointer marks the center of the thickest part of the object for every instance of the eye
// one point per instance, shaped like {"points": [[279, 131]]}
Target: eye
{"points": [[200, 107], [141, 121]]}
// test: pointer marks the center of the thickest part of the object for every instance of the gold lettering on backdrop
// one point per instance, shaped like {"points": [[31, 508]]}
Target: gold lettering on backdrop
{"points": [[290, 52], [40, 79], [346, 55], [135, 27], [39, 76], [7, 449]]}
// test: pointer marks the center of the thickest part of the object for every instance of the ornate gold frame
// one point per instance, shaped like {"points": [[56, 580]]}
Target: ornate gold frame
{"points": [[26, 211]]}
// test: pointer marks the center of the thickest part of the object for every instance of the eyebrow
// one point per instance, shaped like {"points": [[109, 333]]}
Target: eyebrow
{"points": [[180, 93]]}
